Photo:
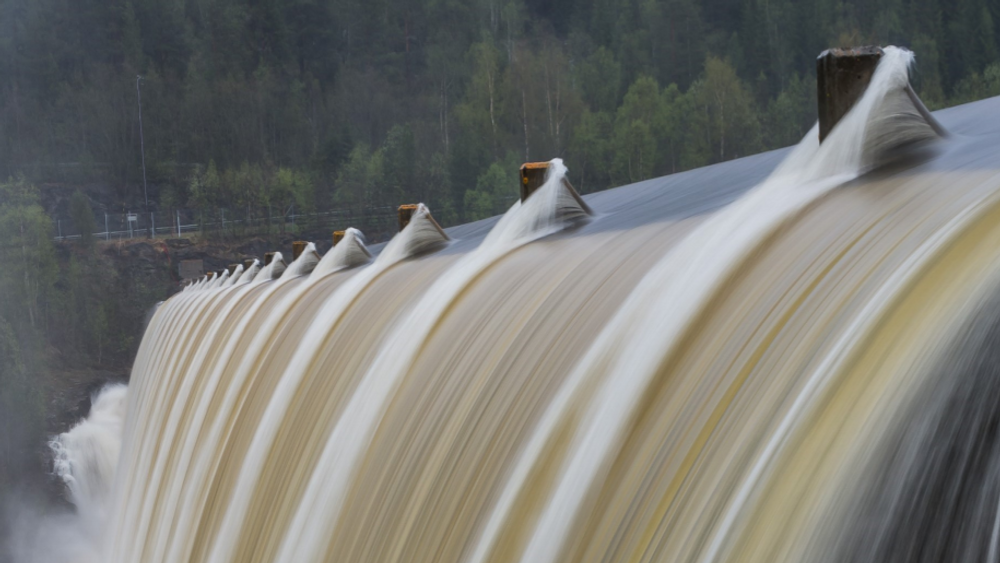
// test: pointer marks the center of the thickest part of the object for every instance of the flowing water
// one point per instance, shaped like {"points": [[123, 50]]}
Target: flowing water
{"points": [[748, 362]]}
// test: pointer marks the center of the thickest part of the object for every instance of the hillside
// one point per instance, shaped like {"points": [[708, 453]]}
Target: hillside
{"points": [[261, 108]]}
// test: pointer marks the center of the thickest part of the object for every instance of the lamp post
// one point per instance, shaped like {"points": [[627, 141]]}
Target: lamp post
{"points": [[142, 144]]}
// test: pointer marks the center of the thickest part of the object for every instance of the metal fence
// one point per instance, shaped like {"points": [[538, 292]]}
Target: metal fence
{"points": [[225, 222]]}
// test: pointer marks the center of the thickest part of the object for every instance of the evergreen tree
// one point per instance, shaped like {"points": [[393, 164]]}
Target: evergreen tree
{"points": [[433, 88], [82, 217]]}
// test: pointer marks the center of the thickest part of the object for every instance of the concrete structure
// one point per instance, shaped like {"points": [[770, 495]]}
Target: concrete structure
{"points": [[297, 248], [842, 75], [405, 214], [532, 177]]}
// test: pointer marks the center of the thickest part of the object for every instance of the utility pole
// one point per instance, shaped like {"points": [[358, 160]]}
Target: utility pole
{"points": [[142, 144]]}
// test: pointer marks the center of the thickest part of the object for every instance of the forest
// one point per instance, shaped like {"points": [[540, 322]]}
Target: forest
{"points": [[260, 106], [250, 105]]}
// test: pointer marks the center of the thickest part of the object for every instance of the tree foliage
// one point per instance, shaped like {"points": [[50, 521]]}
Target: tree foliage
{"points": [[27, 299], [83, 217], [21, 409], [261, 104], [29, 271]]}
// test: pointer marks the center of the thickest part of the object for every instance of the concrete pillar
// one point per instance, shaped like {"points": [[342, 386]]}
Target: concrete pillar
{"points": [[297, 248], [842, 75], [532, 177], [405, 214]]}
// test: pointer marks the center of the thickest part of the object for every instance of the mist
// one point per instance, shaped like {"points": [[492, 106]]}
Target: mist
{"points": [[85, 459]]}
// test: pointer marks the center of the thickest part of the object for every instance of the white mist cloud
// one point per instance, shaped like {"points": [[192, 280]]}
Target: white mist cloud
{"points": [[85, 458]]}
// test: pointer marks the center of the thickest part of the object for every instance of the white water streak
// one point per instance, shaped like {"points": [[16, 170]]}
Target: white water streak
{"points": [[629, 351], [419, 235], [540, 215], [86, 458]]}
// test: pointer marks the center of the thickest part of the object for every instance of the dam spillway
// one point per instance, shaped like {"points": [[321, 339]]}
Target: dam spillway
{"points": [[737, 363]]}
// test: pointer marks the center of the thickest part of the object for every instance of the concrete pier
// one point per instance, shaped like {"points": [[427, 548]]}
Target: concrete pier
{"points": [[297, 248], [405, 213], [532, 177], [842, 75]]}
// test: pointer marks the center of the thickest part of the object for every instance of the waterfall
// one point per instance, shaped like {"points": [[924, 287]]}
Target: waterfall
{"points": [[631, 348], [543, 213], [621, 377]]}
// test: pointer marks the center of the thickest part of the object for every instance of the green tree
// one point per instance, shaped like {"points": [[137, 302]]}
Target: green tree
{"points": [[131, 39], [438, 195], [678, 39], [978, 86], [791, 114], [83, 217], [291, 187], [599, 77], [481, 112], [205, 187], [591, 150], [926, 77], [400, 155], [21, 411], [732, 117], [636, 153], [245, 88], [495, 191], [672, 127], [27, 281], [361, 179]]}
